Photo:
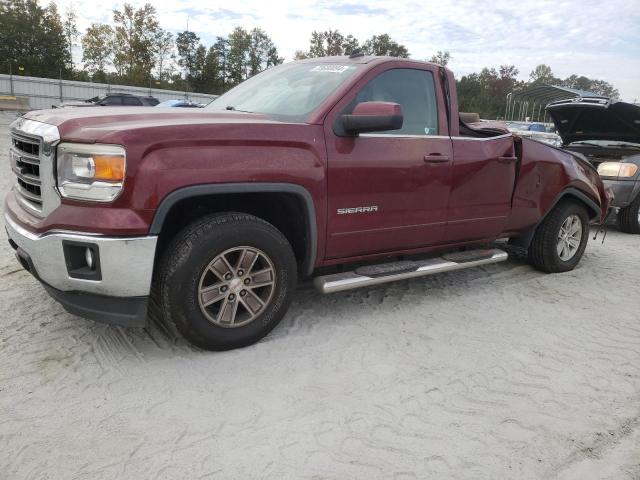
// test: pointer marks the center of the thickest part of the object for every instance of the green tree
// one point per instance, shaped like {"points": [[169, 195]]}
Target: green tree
{"points": [[273, 58], [163, 48], [135, 40], [237, 62], [262, 52], [604, 88], [317, 47], [349, 44], [384, 45], [333, 43], [441, 58], [53, 34], [211, 72], [71, 32], [32, 37], [187, 46], [199, 82], [485, 92], [542, 75], [97, 49], [600, 87], [221, 52], [327, 44]]}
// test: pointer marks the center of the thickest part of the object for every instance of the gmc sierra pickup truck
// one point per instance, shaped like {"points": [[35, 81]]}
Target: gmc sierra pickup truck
{"points": [[355, 170]]}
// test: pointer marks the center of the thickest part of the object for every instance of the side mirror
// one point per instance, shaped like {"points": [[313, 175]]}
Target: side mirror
{"points": [[373, 117]]}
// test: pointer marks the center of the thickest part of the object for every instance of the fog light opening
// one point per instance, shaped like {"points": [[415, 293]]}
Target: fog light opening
{"points": [[82, 260], [88, 256]]}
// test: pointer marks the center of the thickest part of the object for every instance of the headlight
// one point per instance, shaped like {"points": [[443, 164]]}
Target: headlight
{"points": [[617, 169], [90, 171]]}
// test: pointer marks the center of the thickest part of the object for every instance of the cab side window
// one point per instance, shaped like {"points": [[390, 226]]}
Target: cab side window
{"points": [[112, 100], [131, 101], [414, 90]]}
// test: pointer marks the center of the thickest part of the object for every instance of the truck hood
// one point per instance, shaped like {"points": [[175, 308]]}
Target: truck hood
{"points": [[98, 121], [581, 119]]}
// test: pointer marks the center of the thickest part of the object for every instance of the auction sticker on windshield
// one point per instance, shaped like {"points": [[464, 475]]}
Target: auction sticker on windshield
{"points": [[330, 68]]}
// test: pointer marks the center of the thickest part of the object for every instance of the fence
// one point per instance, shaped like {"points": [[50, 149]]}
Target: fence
{"points": [[44, 92]]}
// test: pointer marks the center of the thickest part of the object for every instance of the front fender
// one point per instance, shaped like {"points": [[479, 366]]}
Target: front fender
{"points": [[302, 193], [546, 176]]}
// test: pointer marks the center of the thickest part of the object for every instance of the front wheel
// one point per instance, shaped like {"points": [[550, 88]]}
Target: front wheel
{"points": [[227, 280], [561, 238], [629, 217]]}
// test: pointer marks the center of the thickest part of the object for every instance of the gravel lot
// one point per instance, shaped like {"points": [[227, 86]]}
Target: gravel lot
{"points": [[496, 372]]}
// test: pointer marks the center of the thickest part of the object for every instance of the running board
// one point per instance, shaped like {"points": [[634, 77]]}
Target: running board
{"points": [[389, 272]]}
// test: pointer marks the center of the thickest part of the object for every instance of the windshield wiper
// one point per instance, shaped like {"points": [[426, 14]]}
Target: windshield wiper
{"points": [[623, 145], [600, 145], [231, 107], [585, 142]]}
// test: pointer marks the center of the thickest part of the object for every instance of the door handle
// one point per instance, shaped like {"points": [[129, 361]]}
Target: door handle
{"points": [[436, 158], [507, 159]]}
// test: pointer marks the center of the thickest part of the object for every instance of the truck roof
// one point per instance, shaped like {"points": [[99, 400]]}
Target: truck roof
{"points": [[362, 59]]}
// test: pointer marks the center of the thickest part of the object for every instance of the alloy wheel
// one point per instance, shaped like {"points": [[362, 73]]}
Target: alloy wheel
{"points": [[569, 237], [236, 286]]}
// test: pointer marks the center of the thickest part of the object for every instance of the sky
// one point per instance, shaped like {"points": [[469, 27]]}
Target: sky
{"points": [[598, 39]]}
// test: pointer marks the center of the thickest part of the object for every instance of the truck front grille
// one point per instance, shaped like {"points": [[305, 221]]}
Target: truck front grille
{"points": [[25, 164]]}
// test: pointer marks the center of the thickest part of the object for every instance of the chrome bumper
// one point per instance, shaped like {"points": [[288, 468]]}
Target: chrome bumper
{"points": [[126, 263]]}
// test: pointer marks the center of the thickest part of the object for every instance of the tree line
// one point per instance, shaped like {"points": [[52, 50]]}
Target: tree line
{"points": [[135, 50], [131, 50]]}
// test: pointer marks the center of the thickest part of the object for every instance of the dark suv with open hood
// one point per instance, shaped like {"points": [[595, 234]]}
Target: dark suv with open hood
{"points": [[607, 133]]}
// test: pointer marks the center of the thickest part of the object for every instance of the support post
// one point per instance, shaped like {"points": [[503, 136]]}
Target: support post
{"points": [[60, 85], [506, 111]]}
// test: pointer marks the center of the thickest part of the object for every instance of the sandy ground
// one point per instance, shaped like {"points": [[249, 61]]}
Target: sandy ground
{"points": [[497, 372]]}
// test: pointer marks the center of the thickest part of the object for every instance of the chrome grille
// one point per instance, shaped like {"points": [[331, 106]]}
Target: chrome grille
{"points": [[25, 164]]}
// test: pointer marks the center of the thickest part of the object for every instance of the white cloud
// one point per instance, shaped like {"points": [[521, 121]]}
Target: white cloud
{"points": [[591, 38]]}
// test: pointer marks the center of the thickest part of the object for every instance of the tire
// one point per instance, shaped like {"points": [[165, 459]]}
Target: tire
{"points": [[544, 251], [629, 217], [192, 274]]}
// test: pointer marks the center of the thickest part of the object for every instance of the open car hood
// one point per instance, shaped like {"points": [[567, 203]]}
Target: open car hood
{"points": [[581, 118]]}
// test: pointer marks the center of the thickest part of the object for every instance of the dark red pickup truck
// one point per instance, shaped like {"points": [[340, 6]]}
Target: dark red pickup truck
{"points": [[359, 163]]}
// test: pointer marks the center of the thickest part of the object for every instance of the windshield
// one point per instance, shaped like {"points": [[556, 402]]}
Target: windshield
{"points": [[288, 92], [169, 103]]}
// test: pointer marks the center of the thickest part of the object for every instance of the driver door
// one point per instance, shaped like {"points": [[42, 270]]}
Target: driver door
{"points": [[389, 191]]}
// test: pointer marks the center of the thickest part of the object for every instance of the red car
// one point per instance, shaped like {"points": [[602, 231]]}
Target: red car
{"points": [[357, 162]]}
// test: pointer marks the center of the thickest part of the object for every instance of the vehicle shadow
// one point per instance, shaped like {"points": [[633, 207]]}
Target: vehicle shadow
{"points": [[311, 310], [312, 315]]}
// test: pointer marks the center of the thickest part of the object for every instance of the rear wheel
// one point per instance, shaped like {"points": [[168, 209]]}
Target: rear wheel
{"points": [[226, 280], [629, 217], [561, 238]]}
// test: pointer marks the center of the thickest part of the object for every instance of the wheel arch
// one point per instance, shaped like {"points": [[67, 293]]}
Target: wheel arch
{"points": [[570, 193], [213, 192]]}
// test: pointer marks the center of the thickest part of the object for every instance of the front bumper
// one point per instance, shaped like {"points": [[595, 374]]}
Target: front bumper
{"points": [[120, 294], [625, 191]]}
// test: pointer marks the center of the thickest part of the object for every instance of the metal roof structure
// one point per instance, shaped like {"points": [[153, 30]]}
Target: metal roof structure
{"points": [[530, 102]]}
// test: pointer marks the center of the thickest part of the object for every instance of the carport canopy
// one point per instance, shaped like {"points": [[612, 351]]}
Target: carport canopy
{"points": [[530, 102]]}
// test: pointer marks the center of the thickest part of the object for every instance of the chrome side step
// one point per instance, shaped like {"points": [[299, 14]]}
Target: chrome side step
{"points": [[389, 272]]}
